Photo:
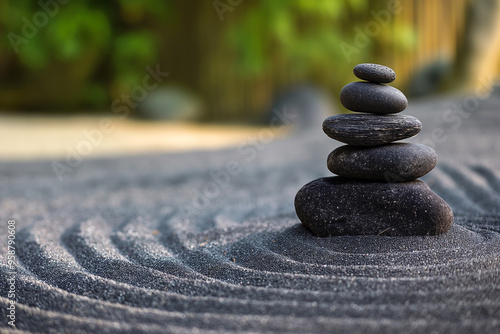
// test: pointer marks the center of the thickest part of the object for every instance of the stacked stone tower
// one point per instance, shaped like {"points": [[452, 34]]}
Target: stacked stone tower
{"points": [[376, 191]]}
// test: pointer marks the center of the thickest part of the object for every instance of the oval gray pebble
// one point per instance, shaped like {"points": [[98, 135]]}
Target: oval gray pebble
{"points": [[372, 98], [374, 73], [334, 206], [370, 129], [398, 162]]}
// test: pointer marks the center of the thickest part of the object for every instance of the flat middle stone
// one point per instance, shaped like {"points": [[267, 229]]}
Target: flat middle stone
{"points": [[370, 129]]}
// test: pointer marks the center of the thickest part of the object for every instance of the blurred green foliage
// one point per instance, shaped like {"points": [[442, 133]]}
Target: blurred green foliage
{"points": [[303, 31], [86, 34], [309, 33], [91, 51]]}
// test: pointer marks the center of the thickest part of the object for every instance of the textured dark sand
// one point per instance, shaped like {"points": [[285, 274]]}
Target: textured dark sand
{"points": [[114, 247]]}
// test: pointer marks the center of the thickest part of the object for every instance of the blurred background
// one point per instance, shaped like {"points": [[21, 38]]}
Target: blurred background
{"points": [[167, 75]]}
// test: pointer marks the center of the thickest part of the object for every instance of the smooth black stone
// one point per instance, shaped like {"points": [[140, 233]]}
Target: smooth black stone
{"points": [[370, 129], [334, 206], [372, 98], [398, 162], [374, 73]]}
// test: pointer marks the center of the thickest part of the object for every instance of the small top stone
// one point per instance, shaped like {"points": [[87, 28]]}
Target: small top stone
{"points": [[374, 73]]}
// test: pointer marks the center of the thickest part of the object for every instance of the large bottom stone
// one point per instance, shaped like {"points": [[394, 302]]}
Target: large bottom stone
{"points": [[340, 206]]}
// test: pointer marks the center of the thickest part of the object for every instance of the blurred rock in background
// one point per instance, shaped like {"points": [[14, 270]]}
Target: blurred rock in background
{"points": [[169, 103], [429, 78], [304, 107]]}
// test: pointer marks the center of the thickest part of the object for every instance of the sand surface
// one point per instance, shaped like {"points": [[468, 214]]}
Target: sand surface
{"points": [[152, 244]]}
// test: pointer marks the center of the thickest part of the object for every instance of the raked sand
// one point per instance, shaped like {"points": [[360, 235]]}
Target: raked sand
{"points": [[208, 241]]}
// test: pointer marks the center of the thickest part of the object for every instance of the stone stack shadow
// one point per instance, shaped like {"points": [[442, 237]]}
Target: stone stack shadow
{"points": [[376, 191]]}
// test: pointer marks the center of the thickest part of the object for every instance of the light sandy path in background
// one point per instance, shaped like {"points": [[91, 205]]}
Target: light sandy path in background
{"points": [[53, 137]]}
